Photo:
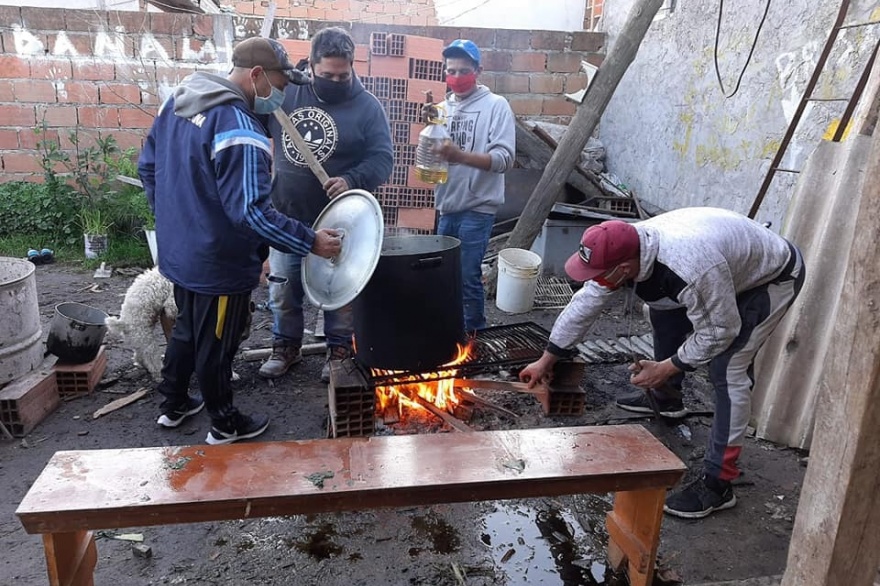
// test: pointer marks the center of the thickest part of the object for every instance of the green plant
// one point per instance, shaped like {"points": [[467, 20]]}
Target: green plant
{"points": [[46, 211], [94, 221]]}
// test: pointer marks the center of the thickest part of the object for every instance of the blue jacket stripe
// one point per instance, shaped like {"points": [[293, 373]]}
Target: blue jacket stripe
{"points": [[251, 192]]}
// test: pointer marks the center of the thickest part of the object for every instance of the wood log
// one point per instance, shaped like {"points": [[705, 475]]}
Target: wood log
{"points": [[261, 353], [454, 423]]}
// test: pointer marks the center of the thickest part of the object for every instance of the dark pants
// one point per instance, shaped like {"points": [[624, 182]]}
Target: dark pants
{"points": [[205, 338], [732, 371]]}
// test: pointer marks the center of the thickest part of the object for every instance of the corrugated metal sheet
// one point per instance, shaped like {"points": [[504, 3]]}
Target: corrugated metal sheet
{"points": [[820, 221]]}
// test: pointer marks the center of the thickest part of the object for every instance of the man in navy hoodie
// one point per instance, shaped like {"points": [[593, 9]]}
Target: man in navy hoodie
{"points": [[206, 170], [346, 128]]}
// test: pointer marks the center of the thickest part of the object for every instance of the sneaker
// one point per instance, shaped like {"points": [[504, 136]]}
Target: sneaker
{"points": [[701, 498], [282, 358], [47, 256], [175, 417], [639, 403], [241, 427], [335, 354]]}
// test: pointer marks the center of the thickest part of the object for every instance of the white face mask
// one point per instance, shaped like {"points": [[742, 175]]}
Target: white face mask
{"points": [[269, 104]]}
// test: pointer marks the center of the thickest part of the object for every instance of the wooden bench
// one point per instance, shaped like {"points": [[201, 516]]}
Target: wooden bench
{"points": [[82, 491]]}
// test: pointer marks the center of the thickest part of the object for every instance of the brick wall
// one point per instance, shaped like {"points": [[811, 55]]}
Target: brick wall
{"points": [[105, 73], [406, 12]]}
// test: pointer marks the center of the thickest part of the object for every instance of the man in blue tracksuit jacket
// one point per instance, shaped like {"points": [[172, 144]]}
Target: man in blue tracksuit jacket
{"points": [[206, 170], [346, 128]]}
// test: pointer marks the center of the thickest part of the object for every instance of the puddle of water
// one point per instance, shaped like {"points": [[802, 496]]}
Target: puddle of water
{"points": [[319, 544], [444, 538], [533, 546]]}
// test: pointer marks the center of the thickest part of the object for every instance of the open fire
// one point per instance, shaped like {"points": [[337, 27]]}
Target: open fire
{"points": [[413, 391]]}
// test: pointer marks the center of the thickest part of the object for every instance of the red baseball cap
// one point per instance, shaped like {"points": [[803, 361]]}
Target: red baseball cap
{"points": [[603, 247]]}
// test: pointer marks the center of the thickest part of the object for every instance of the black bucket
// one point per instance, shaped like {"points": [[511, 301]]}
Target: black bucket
{"points": [[76, 333]]}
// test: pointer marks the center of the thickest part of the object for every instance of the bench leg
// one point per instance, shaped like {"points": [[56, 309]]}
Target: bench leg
{"points": [[71, 558], [634, 533]]}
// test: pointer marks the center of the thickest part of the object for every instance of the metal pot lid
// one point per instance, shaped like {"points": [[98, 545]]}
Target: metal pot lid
{"points": [[334, 283]]}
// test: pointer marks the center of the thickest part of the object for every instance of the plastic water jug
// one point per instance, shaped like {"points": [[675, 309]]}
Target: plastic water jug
{"points": [[430, 168]]}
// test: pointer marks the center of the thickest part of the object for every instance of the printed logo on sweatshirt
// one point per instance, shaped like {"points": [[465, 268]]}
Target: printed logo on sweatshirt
{"points": [[318, 130], [462, 129]]}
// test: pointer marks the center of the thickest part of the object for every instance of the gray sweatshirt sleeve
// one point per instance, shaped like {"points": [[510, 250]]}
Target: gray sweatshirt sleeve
{"points": [[578, 316], [712, 310], [502, 137]]}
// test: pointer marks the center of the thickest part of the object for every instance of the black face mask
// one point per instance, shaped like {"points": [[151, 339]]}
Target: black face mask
{"points": [[332, 92]]}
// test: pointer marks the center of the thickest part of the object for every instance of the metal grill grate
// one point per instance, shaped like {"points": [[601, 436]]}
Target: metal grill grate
{"points": [[552, 293], [500, 346]]}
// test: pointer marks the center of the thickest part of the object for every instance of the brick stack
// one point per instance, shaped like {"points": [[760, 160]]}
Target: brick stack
{"points": [[402, 69]]}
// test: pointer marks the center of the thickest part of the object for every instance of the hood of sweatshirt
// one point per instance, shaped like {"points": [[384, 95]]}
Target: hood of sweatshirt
{"points": [[201, 91]]}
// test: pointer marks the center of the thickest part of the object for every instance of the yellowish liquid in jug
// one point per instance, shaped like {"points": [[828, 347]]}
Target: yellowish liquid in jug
{"points": [[432, 176]]}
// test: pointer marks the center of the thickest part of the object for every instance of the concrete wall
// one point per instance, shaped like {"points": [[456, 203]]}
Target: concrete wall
{"points": [[104, 73], [672, 135]]}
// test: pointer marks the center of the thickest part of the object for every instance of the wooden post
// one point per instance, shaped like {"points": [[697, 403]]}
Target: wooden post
{"points": [[634, 533], [836, 537], [585, 120]]}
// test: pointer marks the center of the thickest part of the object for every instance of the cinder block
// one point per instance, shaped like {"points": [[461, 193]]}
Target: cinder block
{"points": [[25, 402], [385, 66], [417, 90], [563, 401], [417, 218], [78, 380], [378, 43], [396, 45], [424, 48], [529, 61], [413, 181], [564, 62], [297, 49]]}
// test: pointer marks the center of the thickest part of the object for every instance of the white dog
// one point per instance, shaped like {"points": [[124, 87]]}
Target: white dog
{"points": [[148, 301]]}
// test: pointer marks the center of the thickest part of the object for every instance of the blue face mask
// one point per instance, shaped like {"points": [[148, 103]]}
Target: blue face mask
{"points": [[270, 104]]}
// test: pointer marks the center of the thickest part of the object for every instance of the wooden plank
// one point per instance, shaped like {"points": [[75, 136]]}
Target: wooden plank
{"points": [[106, 489], [70, 558], [836, 536]]}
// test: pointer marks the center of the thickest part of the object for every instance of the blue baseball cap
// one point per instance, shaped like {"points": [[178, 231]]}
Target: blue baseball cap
{"points": [[463, 48]]}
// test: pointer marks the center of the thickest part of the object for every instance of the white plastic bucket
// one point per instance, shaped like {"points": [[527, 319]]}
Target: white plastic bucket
{"points": [[518, 272]]}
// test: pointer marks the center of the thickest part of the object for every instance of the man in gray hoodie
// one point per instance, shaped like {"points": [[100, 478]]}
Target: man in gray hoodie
{"points": [[482, 149], [717, 284]]}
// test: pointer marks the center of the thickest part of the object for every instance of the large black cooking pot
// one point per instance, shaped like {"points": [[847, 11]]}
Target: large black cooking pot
{"points": [[410, 316]]}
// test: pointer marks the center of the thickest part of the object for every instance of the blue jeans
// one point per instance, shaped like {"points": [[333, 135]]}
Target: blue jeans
{"points": [[473, 229], [286, 303]]}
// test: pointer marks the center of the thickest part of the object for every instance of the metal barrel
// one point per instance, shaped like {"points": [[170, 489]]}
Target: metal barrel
{"points": [[21, 347]]}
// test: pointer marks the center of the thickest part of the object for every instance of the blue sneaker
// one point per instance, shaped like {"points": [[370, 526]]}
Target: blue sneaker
{"points": [[47, 255], [34, 256]]}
